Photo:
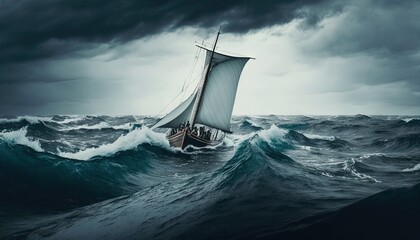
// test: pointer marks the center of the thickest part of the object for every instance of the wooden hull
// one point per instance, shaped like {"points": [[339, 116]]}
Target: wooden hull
{"points": [[184, 138]]}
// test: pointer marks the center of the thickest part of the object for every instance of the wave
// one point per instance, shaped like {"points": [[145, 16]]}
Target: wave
{"points": [[39, 119], [354, 167], [413, 169], [29, 119], [407, 120], [67, 119], [125, 142], [313, 140], [20, 137], [404, 142], [249, 124], [316, 136], [274, 136], [37, 181], [99, 126], [391, 214], [361, 117]]}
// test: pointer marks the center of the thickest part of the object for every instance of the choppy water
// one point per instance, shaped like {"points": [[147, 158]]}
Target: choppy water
{"points": [[297, 177]]}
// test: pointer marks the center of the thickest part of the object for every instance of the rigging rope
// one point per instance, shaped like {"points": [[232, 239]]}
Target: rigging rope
{"points": [[184, 87], [186, 83]]}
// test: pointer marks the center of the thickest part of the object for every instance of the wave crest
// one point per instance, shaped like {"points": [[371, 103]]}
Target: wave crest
{"points": [[413, 169], [20, 137], [125, 142], [99, 126]]}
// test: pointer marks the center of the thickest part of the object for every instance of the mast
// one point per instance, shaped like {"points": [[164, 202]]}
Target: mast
{"points": [[200, 91]]}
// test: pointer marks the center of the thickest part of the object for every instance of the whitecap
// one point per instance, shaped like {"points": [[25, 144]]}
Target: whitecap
{"points": [[101, 125], [367, 156], [125, 142], [20, 137], [321, 137], [273, 133], [349, 167], [30, 119], [406, 120], [70, 120], [415, 168]]}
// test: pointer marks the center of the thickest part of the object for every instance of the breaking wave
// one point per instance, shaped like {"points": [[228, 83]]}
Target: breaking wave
{"points": [[125, 142], [20, 137]]}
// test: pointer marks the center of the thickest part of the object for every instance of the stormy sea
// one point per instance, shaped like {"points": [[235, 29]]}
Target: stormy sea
{"points": [[275, 177]]}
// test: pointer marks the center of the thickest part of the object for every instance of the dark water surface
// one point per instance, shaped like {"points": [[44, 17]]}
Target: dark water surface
{"points": [[276, 177]]}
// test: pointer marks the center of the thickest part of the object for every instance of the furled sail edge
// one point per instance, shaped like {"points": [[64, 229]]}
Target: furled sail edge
{"points": [[222, 54], [179, 115]]}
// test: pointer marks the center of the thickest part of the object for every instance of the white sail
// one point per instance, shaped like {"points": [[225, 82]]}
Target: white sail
{"points": [[220, 91], [179, 115], [217, 57]]}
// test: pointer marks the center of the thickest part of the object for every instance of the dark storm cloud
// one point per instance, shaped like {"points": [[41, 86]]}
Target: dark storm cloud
{"points": [[39, 40], [46, 28]]}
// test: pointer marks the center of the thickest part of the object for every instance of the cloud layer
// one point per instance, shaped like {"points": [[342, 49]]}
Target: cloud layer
{"points": [[325, 56], [42, 29]]}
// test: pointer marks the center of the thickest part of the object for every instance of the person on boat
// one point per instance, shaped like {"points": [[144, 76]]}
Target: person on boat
{"points": [[194, 131], [208, 134], [187, 126], [201, 134]]}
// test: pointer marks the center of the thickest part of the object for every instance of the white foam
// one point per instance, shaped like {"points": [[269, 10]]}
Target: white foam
{"points": [[352, 170], [407, 120], [316, 136], [327, 174], [249, 121], [37, 119], [415, 168], [307, 148], [253, 124], [367, 156], [19, 137], [268, 135], [101, 125], [273, 133], [125, 142], [30, 119], [70, 120]]}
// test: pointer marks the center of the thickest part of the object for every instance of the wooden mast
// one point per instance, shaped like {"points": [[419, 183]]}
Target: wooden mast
{"points": [[200, 93]]}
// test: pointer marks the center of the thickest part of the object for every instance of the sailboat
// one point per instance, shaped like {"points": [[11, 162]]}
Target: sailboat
{"points": [[203, 119]]}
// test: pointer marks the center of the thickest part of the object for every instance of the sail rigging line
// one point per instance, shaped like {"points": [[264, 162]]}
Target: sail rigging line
{"points": [[200, 94], [197, 55], [167, 105], [170, 103], [191, 69], [188, 79]]}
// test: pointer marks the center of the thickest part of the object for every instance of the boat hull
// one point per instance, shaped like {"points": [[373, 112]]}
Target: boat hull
{"points": [[184, 138]]}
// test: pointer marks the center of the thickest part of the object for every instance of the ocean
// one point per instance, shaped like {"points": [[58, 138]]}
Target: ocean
{"points": [[275, 177]]}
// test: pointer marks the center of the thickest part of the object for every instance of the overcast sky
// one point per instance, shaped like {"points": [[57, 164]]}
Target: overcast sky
{"points": [[133, 57]]}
